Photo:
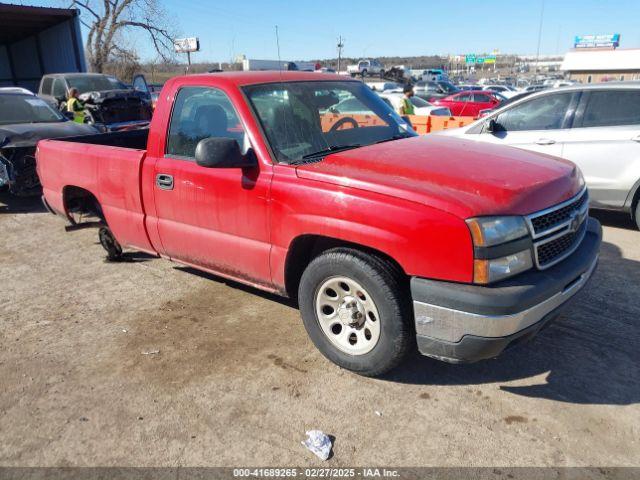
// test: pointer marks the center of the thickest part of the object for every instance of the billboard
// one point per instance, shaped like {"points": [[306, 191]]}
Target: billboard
{"points": [[186, 45], [593, 41]]}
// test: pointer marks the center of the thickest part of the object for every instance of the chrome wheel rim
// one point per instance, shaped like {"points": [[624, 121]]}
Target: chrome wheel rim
{"points": [[347, 315]]}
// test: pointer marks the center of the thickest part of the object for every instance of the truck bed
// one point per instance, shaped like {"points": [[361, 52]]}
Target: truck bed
{"points": [[107, 166]]}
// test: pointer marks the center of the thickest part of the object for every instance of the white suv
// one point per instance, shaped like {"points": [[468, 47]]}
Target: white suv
{"points": [[595, 126]]}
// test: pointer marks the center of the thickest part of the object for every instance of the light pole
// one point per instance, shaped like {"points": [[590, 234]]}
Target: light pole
{"points": [[340, 47], [539, 36]]}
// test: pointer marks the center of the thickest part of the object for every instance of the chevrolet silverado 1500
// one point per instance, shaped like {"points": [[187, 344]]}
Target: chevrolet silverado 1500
{"points": [[385, 239]]}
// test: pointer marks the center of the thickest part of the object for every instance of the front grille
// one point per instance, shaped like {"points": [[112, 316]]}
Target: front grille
{"points": [[548, 221], [557, 231], [548, 252]]}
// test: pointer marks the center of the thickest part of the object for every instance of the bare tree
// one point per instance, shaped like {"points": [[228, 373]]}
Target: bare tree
{"points": [[109, 21]]}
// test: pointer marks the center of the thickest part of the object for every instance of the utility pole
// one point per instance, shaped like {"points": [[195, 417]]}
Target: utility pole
{"points": [[340, 47], [539, 36]]}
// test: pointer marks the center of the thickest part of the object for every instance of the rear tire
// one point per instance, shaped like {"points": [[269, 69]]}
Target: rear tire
{"points": [[356, 311], [636, 215], [110, 244]]}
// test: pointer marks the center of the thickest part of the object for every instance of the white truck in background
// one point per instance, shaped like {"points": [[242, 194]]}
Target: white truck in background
{"points": [[366, 67]]}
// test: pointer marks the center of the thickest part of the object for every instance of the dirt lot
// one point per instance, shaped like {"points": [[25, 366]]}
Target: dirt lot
{"points": [[236, 382]]}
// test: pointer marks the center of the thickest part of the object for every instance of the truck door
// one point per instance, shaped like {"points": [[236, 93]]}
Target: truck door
{"points": [[213, 218]]}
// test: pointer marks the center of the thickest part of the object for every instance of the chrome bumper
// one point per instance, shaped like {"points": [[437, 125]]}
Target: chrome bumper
{"points": [[451, 325], [458, 322]]}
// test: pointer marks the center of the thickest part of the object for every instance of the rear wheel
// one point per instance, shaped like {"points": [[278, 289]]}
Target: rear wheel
{"points": [[355, 309], [110, 244], [637, 214]]}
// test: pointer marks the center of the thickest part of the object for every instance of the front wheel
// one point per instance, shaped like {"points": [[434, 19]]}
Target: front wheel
{"points": [[637, 214], [356, 311]]}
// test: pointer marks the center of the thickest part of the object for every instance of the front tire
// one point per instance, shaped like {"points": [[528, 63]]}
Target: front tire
{"points": [[636, 215], [355, 309]]}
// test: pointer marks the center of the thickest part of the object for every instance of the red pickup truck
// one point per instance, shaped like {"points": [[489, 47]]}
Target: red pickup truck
{"points": [[386, 240]]}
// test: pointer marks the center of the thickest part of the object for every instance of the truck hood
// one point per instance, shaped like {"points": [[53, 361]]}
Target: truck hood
{"points": [[462, 177]]}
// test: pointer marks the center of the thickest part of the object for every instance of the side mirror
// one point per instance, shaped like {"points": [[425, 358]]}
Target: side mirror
{"points": [[68, 114], [217, 152], [493, 126]]}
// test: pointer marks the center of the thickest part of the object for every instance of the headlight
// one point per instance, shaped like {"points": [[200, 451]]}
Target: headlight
{"points": [[493, 259], [489, 271], [490, 231]]}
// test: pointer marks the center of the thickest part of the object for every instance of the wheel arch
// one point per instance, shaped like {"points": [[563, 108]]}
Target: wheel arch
{"points": [[304, 248], [80, 200]]}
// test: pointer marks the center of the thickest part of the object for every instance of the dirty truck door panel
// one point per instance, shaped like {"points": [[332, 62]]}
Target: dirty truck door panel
{"points": [[211, 217]]}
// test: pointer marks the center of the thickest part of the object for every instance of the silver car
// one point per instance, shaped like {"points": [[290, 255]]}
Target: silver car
{"points": [[595, 126]]}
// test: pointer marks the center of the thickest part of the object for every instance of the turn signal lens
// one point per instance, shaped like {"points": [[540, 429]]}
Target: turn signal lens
{"points": [[488, 271]]}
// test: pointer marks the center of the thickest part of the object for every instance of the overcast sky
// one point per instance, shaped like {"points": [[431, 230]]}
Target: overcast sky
{"points": [[309, 29]]}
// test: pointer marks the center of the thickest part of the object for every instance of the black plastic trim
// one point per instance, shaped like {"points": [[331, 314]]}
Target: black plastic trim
{"points": [[498, 251]]}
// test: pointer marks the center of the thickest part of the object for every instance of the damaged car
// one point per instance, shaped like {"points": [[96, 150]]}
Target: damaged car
{"points": [[109, 104], [24, 120]]}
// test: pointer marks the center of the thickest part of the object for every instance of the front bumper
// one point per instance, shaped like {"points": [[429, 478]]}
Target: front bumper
{"points": [[462, 323]]}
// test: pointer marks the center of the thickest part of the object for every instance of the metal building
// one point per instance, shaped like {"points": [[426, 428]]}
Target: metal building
{"points": [[38, 40]]}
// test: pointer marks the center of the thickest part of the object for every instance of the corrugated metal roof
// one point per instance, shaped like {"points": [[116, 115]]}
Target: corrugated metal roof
{"points": [[19, 21], [602, 60]]}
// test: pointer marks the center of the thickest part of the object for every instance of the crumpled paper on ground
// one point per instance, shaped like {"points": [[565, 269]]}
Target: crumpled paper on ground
{"points": [[318, 443]]}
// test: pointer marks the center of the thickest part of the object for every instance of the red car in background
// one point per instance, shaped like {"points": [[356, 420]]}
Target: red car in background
{"points": [[468, 103]]}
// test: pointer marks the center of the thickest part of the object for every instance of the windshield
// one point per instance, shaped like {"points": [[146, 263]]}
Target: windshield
{"points": [[302, 119], [95, 83], [448, 87], [419, 102], [26, 109]]}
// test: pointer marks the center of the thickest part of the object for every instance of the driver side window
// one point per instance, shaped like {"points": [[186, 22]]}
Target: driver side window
{"points": [[543, 113], [199, 113]]}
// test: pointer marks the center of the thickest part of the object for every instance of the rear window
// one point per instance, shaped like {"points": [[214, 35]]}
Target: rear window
{"points": [[612, 108]]}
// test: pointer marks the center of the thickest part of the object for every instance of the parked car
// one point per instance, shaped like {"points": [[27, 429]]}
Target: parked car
{"points": [[468, 104], [505, 102], [25, 119], [428, 90], [109, 103], [535, 88], [595, 126], [385, 238], [422, 107], [383, 86], [504, 90], [366, 68]]}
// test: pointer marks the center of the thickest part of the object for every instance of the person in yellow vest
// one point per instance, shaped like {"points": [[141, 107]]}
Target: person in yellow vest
{"points": [[406, 107], [75, 106]]}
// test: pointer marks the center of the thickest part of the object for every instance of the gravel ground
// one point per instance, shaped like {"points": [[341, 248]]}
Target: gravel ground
{"points": [[236, 382]]}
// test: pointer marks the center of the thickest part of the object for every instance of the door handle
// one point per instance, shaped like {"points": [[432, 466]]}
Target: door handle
{"points": [[636, 138], [545, 141], [165, 182]]}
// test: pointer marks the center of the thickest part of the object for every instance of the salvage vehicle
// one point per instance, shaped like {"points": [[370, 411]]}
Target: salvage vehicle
{"points": [[109, 104], [25, 119], [385, 239], [595, 126]]}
